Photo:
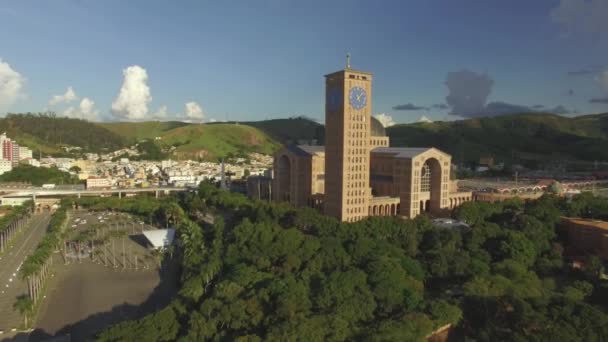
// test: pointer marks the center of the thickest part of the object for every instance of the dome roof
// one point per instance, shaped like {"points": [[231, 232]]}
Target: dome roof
{"points": [[377, 128], [556, 188]]}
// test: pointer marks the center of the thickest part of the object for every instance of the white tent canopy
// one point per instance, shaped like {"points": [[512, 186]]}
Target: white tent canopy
{"points": [[160, 238]]}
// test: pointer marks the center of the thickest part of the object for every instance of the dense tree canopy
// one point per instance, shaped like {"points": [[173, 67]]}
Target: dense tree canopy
{"points": [[267, 271], [38, 175]]}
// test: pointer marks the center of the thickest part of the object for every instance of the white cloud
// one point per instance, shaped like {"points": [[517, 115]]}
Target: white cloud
{"points": [[68, 97], [424, 118], [134, 96], [385, 119], [582, 16], [468, 92], [11, 85], [86, 111], [194, 111], [161, 114]]}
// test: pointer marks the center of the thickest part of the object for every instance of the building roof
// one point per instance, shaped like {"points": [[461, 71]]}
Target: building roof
{"points": [[397, 152], [402, 152], [303, 150], [348, 70], [160, 237]]}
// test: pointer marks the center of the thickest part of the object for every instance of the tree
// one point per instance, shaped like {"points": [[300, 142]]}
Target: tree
{"points": [[25, 306], [75, 169]]}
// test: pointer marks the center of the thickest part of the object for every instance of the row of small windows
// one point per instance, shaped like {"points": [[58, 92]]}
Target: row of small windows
{"points": [[354, 184], [354, 201], [357, 118], [356, 159], [355, 176], [357, 126], [357, 143], [352, 193], [355, 151], [357, 77], [355, 210], [379, 142], [356, 134]]}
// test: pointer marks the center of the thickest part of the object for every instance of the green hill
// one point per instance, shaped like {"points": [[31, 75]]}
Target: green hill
{"points": [[520, 138], [512, 138], [137, 131], [196, 141], [291, 130], [210, 142], [47, 133]]}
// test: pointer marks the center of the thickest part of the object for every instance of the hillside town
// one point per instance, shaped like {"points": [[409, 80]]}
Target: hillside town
{"points": [[113, 170], [11, 154]]}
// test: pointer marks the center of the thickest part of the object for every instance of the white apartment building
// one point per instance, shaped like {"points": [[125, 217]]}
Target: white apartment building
{"points": [[98, 183], [5, 166], [24, 153]]}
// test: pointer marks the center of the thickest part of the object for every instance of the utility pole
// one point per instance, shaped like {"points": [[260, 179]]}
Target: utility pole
{"points": [[124, 263], [113, 253]]}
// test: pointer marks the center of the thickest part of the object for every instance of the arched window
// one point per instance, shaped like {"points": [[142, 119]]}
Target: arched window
{"points": [[425, 179]]}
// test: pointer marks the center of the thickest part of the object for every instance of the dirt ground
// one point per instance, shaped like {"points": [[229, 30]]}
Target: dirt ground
{"points": [[85, 298]]}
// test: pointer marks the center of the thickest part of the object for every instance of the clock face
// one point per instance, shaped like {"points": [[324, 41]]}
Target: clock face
{"points": [[334, 99], [357, 97]]}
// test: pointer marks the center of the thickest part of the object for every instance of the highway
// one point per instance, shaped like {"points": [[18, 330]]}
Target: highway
{"points": [[10, 262], [22, 192]]}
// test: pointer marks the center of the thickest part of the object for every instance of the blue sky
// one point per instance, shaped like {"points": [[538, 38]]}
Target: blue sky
{"points": [[254, 60]]}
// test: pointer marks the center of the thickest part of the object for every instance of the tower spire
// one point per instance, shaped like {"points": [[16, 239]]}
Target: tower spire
{"points": [[348, 60]]}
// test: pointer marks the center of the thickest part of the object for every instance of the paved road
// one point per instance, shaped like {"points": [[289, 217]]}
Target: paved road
{"points": [[10, 284]]}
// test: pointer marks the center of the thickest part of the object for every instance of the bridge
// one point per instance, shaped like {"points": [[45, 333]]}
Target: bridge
{"points": [[34, 192]]}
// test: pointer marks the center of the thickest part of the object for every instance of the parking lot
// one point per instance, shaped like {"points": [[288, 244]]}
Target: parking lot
{"points": [[109, 277], [109, 238]]}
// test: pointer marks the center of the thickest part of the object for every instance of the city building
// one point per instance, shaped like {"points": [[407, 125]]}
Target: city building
{"points": [[25, 153], [10, 150], [7, 147], [259, 187], [356, 174], [98, 183], [5, 166], [15, 158]]}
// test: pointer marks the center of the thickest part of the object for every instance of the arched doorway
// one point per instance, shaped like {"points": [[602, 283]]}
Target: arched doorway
{"points": [[284, 178], [430, 183]]}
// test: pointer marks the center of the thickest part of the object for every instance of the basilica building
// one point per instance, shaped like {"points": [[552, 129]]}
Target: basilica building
{"points": [[356, 174]]}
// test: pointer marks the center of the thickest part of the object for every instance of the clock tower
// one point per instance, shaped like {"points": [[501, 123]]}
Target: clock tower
{"points": [[348, 103]]}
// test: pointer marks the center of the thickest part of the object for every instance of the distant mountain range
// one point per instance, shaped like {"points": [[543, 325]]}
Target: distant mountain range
{"points": [[528, 137]]}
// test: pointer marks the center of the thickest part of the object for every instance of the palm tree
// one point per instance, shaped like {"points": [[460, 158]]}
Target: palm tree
{"points": [[25, 306]]}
